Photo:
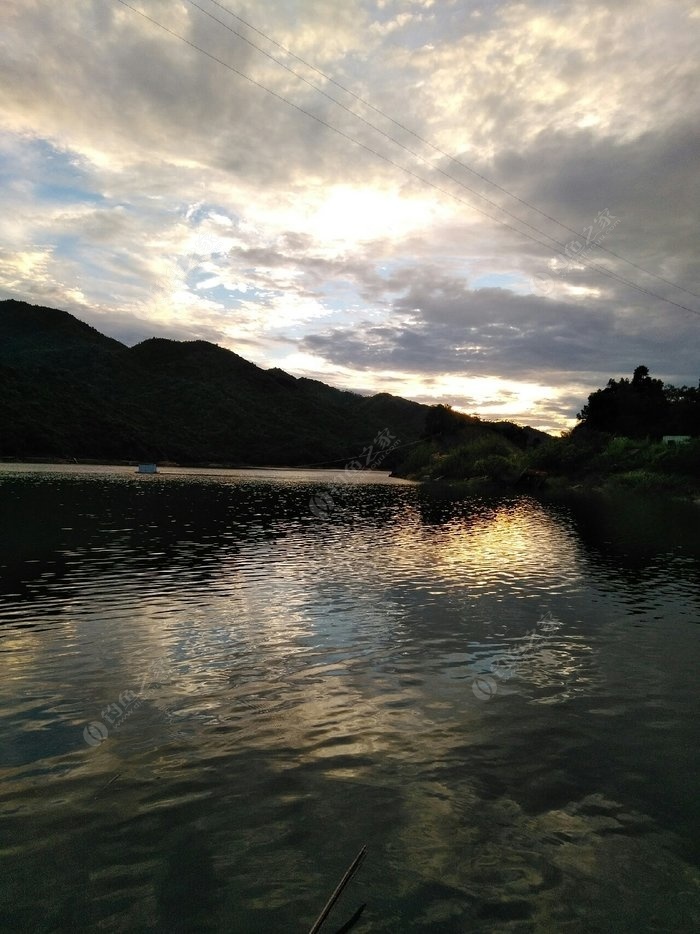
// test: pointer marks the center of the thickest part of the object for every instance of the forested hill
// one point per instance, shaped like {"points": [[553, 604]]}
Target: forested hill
{"points": [[68, 391]]}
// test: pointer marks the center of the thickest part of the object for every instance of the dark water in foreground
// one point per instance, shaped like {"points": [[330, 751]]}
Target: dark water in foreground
{"points": [[290, 687]]}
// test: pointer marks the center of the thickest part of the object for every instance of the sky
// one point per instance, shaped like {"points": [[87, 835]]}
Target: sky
{"points": [[419, 197]]}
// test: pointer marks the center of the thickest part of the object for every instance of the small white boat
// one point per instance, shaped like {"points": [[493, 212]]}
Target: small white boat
{"points": [[147, 468]]}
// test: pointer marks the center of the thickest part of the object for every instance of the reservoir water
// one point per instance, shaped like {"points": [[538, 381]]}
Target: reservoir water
{"points": [[216, 687]]}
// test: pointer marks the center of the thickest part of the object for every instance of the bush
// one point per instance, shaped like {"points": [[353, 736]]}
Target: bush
{"points": [[460, 462], [563, 456], [417, 461], [622, 454], [496, 467], [626, 455], [647, 481], [683, 458]]}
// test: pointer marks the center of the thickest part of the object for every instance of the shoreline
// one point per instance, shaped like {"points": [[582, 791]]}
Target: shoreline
{"points": [[534, 484], [162, 465]]}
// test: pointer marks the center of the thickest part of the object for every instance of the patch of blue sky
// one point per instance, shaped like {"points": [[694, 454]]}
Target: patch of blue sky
{"points": [[8, 170], [196, 277], [219, 292], [206, 210], [341, 317], [56, 174], [514, 282], [66, 245], [94, 265], [66, 194], [339, 294]]}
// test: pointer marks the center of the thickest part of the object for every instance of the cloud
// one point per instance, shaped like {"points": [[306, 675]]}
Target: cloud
{"points": [[441, 326], [148, 189]]}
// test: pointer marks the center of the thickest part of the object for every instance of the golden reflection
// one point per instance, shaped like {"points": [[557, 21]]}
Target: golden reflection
{"points": [[517, 547], [522, 542]]}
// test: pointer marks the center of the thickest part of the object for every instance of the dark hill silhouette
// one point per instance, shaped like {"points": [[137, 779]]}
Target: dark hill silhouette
{"points": [[176, 357], [68, 391], [47, 336]]}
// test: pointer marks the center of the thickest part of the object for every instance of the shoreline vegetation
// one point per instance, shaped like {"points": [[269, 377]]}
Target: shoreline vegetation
{"points": [[635, 435], [596, 463]]}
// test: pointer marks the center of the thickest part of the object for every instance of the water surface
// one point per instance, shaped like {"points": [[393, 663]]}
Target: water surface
{"points": [[218, 686]]}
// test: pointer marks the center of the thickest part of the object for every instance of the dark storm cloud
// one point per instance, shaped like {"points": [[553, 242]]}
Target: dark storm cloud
{"points": [[650, 183], [443, 327]]}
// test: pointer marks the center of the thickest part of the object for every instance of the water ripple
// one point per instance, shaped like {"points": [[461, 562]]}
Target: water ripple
{"points": [[206, 687]]}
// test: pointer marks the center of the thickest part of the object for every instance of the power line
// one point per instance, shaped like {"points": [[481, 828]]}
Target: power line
{"points": [[373, 126], [600, 269], [420, 138], [346, 136], [416, 155]]}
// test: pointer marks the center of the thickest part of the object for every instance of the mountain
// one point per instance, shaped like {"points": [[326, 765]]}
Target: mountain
{"points": [[68, 391]]}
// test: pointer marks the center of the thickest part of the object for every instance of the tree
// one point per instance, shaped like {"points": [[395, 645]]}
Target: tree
{"points": [[443, 420], [636, 409]]}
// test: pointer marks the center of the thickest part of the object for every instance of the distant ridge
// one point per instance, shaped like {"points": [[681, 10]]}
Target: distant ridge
{"points": [[68, 391]]}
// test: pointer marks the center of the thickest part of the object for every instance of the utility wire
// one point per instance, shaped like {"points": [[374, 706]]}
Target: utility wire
{"points": [[373, 126], [415, 135], [586, 263], [412, 152], [346, 136]]}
